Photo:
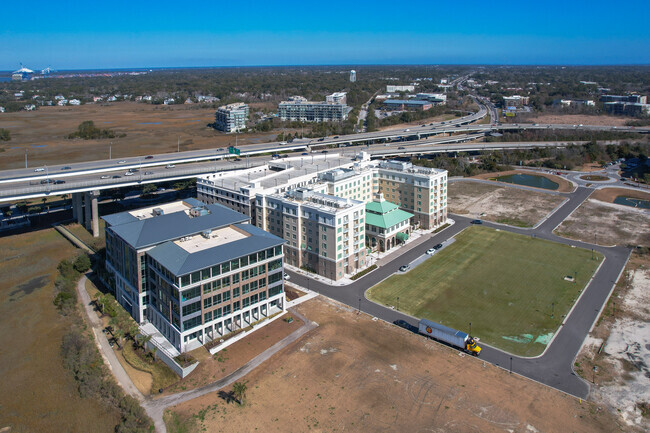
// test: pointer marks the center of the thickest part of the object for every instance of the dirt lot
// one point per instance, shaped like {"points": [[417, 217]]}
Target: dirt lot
{"points": [[565, 185], [500, 203], [36, 393], [577, 119], [619, 348], [355, 374], [226, 361], [607, 224], [609, 194], [148, 129]]}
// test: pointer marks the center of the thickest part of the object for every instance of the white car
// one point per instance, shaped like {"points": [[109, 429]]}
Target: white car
{"points": [[170, 166], [122, 161], [431, 251], [286, 276], [39, 169], [128, 173], [105, 177]]}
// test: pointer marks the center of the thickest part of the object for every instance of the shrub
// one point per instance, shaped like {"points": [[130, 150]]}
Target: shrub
{"points": [[82, 263]]}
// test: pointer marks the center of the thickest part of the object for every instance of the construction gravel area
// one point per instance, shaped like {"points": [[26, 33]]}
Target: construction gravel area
{"points": [[607, 224], [619, 348], [500, 204], [353, 373]]}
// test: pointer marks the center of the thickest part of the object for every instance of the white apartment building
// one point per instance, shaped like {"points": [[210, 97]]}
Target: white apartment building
{"points": [[298, 108], [232, 117], [340, 187], [394, 89]]}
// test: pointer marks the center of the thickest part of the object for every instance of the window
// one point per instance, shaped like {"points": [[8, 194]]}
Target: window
{"points": [[245, 289], [225, 282], [207, 316], [196, 277], [243, 261], [207, 303], [205, 274], [226, 309], [191, 293], [191, 323], [262, 296], [244, 275], [185, 280], [234, 264], [246, 302], [225, 267], [235, 279], [217, 313], [191, 308], [225, 296], [207, 288], [324, 237], [235, 292], [235, 306], [216, 299], [216, 270]]}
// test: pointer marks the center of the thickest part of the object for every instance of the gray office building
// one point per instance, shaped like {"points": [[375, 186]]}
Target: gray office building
{"points": [[232, 117]]}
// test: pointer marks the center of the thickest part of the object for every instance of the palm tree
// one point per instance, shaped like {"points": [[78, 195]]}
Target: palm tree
{"points": [[239, 389]]}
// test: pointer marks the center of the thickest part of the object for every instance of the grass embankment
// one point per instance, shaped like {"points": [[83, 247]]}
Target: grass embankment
{"points": [[87, 237], [511, 287]]}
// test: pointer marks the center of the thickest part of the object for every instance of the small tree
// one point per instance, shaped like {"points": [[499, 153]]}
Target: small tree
{"points": [[82, 263], [239, 389]]}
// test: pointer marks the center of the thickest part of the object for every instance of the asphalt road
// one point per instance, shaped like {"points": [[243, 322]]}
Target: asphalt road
{"points": [[555, 366]]}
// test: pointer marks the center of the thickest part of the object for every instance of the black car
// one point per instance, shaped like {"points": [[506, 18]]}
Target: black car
{"points": [[400, 148], [66, 168], [148, 157], [324, 151], [59, 182], [117, 176], [477, 222], [45, 181], [437, 247], [404, 268]]}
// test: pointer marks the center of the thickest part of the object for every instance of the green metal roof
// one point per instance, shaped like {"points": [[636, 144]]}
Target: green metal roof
{"points": [[388, 219], [380, 207]]}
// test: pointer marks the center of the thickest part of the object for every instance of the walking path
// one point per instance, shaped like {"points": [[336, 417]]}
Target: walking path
{"points": [[156, 407]]}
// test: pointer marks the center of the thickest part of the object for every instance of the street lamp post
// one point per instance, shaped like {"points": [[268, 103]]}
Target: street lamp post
{"points": [[593, 376], [398, 303], [25, 158], [552, 309]]}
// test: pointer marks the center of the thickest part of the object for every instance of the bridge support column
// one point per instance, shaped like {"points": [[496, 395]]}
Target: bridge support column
{"points": [[77, 207], [95, 214], [87, 205]]}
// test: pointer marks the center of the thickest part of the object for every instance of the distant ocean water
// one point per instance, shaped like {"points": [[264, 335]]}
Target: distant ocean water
{"points": [[5, 79]]}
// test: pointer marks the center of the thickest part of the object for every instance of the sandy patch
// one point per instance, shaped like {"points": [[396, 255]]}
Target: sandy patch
{"points": [[356, 374], [500, 203], [628, 347], [607, 224], [564, 185]]}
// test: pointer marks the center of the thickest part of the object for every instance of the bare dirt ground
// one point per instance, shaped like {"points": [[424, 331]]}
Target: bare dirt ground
{"points": [[578, 119], [619, 348], [36, 393], [607, 224], [564, 185], [226, 361], [148, 128], [356, 374], [609, 194], [500, 203]]}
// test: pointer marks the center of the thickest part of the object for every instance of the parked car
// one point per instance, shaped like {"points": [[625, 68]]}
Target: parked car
{"points": [[275, 156], [431, 251], [477, 222], [404, 268], [437, 247]]}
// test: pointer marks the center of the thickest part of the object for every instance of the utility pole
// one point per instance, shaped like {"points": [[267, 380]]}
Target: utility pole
{"points": [[110, 151], [25, 158], [179, 144]]}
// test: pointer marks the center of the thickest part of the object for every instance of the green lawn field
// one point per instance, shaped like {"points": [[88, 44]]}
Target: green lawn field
{"points": [[511, 287]]}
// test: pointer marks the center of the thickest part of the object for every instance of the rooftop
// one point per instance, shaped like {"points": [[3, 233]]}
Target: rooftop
{"points": [[180, 259], [154, 225]]}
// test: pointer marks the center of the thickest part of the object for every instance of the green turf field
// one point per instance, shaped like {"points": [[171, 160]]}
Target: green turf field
{"points": [[501, 282]]}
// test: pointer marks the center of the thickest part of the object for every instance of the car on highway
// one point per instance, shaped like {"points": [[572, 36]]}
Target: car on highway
{"points": [[117, 176], [39, 169], [59, 182], [304, 153], [476, 222], [324, 151], [67, 167], [406, 130], [283, 143], [123, 161], [170, 166], [321, 139], [431, 251], [128, 173], [148, 157], [105, 177], [404, 268], [400, 148], [437, 247], [147, 173], [46, 181], [275, 156]]}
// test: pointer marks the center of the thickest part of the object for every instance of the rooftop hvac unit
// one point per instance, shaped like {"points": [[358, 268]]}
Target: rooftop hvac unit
{"points": [[198, 211], [158, 211], [206, 233]]}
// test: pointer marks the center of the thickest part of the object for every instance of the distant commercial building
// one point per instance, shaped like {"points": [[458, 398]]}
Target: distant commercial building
{"points": [[196, 272], [627, 108], [434, 98], [291, 197], [515, 101], [300, 109], [353, 76], [401, 104], [392, 88], [232, 117], [337, 98], [22, 74], [577, 102], [386, 224], [634, 99]]}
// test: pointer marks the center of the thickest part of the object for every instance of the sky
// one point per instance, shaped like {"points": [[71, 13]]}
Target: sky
{"points": [[96, 34]]}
